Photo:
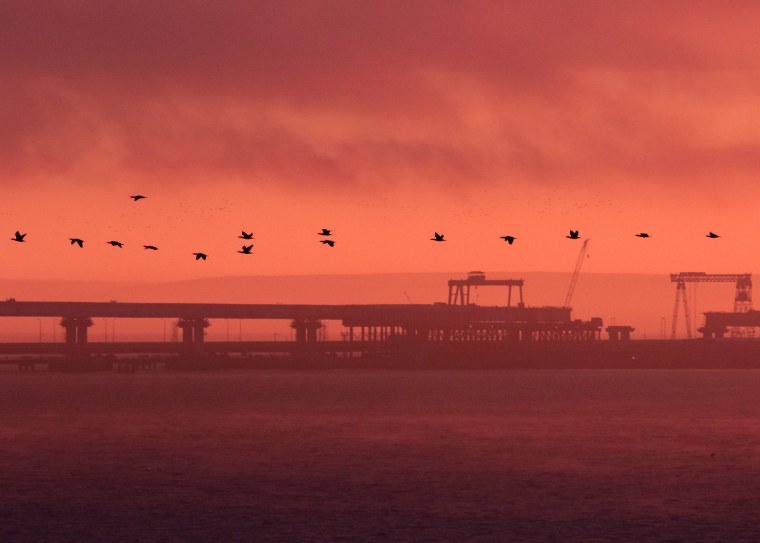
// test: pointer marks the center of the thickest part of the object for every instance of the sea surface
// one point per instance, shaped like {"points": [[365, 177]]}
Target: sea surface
{"points": [[381, 456]]}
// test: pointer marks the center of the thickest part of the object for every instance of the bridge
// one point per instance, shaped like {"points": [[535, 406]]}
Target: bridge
{"points": [[368, 328]]}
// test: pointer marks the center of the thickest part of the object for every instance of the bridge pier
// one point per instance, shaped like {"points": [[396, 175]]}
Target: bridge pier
{"points": [[76, 332], [193, 331], [306, 330]]}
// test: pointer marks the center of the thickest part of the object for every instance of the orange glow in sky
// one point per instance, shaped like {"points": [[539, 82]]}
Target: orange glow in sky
{"points": [[384, 122]]}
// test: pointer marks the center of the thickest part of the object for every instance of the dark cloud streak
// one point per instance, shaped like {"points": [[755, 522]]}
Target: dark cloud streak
{"points": [[204, 90]]}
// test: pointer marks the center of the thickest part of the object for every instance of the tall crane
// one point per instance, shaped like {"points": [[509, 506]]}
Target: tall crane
{"points": [[576, 273]]}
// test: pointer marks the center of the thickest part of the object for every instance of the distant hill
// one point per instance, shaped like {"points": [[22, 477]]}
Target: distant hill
{"points": [[641, 300]]}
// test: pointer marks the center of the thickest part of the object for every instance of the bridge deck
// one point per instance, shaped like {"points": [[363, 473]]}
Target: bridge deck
{"points": [[351, 315]]}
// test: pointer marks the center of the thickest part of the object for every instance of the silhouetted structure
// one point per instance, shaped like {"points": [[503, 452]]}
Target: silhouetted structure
{"points": [[389, 328], [459, 289], [576, 272], [742, 297], [619, 333], [718, 324]]}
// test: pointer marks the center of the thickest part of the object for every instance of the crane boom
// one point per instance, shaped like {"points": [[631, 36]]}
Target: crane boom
{"points": [[576, 272]]}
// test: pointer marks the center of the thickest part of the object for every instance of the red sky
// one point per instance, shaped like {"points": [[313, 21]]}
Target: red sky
{"points": [[384, 121]]}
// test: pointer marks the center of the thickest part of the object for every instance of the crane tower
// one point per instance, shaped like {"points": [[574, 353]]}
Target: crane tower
{"points": [[576, 273]]}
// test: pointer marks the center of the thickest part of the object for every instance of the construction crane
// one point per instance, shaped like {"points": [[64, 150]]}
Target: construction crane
{"points": [[576, 273], [742, 297]]}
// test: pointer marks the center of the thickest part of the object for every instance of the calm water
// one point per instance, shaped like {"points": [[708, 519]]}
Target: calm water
{"points": [[381, 456]]}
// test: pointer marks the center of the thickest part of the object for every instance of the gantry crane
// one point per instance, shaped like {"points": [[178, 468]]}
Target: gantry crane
{"points": [[576, 273], [742, 298]]}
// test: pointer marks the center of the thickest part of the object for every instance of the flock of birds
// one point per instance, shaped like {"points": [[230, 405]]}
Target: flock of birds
{"points": [[326, 233], [245, 249], [574, 234]]}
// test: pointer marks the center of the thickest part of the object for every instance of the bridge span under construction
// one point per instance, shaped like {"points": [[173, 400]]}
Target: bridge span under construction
{"points": [[368, 329]]}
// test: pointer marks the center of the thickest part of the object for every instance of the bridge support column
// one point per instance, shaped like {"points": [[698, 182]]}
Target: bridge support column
{"points": [[306, 330], [76, 337], [76, 330], [193, 331]]}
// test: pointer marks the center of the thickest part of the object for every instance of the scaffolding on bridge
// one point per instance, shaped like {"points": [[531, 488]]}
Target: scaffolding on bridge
{"points": [[459, 289]]}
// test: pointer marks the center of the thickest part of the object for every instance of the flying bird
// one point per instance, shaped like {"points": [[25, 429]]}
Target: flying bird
{"points": [[438, 237], [137, 197], [573, 235], [642, 235], [711, 235], [150, 247], [509, 239], [245, 236], [325, 232], [18, 236], [329, 242], [200, 256], [118, 244], [246, 249], [78, 241]]}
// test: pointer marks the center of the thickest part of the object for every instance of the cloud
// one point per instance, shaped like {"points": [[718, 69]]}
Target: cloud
{"points": [[347, 94]]}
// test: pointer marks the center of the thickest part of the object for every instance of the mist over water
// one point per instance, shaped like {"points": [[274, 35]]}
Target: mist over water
{"points": [[381, 456]]}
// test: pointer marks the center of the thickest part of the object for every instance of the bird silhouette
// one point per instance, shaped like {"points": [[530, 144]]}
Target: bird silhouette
{"points": [[325, 232], [18, 236], [246, 249], [509, 239], [78, 241], [642, 235], [137, 197], [118, 244], [200, 256], [329, 242], [245, 236], [712, 235], [150, 247], [573, 235], [438, 237]]}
